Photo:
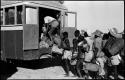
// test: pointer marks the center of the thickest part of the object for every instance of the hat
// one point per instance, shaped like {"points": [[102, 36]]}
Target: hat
{"points": [[114, 32], [98, 33]]}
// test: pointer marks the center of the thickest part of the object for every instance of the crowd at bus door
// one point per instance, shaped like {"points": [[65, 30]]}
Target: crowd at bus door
{"points": [[88, 54]]}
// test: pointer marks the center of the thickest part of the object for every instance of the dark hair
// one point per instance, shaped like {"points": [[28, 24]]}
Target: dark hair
{"points": [[65, 34], [77, 33], [105, 36], [85, 34], [81, 38]]}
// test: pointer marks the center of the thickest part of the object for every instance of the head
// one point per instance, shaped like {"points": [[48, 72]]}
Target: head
{"points": [[81, 38], [96, 36], [44, 29], [105, 36], [85, 34], [113, 32], [65, 34], [77, 33]]}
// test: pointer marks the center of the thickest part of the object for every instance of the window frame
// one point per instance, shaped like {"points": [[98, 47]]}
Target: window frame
{"points": [[1, 15], [66, 15], [5, 16], [15, 15], [31, 6]]}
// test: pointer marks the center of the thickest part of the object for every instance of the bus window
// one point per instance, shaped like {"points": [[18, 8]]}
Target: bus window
{"points": [[9, 15], [19, 14], [70, 19], [31, 15], [1, 16]]}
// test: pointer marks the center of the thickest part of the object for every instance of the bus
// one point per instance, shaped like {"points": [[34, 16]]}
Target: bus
{"points": [[21, 25]]}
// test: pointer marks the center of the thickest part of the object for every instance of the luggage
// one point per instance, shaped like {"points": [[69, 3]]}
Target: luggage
{"points": [[115, 59], [73, 62], [91, 67], [55, 49], [54, 23], [89, 56], [43, 44], [67, 55]]}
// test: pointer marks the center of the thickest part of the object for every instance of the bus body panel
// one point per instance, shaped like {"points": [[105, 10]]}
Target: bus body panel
{"points": [[51, 4], [30, 37], [9, 44], [19, 44], [12, 43], [2, 46]]}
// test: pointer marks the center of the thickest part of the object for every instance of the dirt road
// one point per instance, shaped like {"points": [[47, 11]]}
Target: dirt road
{"points": [[46, 73]]}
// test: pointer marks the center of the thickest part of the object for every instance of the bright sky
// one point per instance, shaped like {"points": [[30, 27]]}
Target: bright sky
{"points": [[102, 15]]}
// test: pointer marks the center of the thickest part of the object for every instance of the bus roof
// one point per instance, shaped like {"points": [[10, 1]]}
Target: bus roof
{"points": [[55, 4]]}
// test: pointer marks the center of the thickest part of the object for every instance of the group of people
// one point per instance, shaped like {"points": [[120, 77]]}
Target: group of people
{"points": [[89, 52]]}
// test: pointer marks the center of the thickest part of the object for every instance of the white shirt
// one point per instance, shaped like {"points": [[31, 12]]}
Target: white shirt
{"points": [[90, 42]]}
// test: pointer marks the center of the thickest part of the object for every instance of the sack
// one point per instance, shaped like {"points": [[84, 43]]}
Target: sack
{"points": [[56, 49], [73, 62], [91, 67], [115, 60], [89, 56], [101, 54], [43, 44], [101, 63], [116, 46], [67, 55], [57, 40], [54, 23]]}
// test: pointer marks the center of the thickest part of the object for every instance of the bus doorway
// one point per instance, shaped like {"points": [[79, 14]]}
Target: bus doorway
{"points": [[43, 12]]}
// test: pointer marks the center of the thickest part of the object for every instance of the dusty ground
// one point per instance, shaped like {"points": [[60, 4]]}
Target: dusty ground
{"points": [[46, 73], [37, 69]]}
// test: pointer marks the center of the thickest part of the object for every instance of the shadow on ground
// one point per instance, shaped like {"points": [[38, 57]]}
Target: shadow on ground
{"points": [[8, 69]]}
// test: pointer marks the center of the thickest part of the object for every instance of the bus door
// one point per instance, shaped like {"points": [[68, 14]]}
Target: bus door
{"points": [[31, 28], [70, 24]]}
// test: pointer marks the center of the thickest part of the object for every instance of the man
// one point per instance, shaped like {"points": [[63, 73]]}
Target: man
{"points": [[114, 32], [100, 57], [78, 46], [75, 40], [89, 54], [75, 51], [66, 47], [51, 24]]}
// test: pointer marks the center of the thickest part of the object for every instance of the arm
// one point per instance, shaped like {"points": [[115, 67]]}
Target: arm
{"points": [[74, 45], [67, 47]]}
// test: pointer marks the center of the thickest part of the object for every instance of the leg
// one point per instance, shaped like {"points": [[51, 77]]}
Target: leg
{"points": [[73, 69], [78, 67], [65, 66], [115, 72]]}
